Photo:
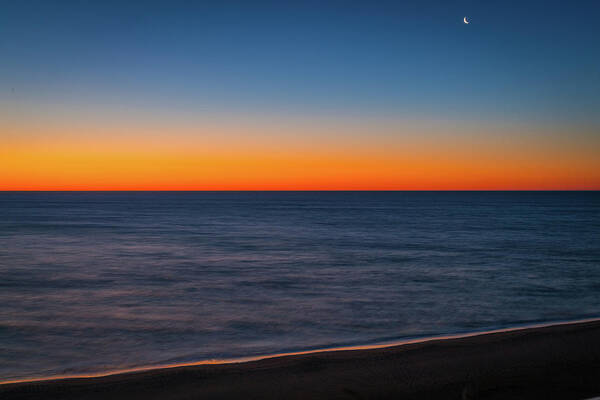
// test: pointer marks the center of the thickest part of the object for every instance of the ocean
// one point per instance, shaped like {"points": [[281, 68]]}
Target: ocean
{"points": [[98, 281]]}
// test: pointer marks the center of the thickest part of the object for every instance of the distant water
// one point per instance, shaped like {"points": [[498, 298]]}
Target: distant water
{"points": [[98, 281]]}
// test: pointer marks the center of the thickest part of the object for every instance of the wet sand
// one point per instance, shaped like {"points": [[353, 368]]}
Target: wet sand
{"points": [[554, 362]]}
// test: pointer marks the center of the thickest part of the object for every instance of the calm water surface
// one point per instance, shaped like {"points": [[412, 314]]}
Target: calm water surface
{"points": [[98, 280]]}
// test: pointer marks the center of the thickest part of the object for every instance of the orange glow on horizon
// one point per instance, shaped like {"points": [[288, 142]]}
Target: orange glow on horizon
{"points": [[52, 158]]}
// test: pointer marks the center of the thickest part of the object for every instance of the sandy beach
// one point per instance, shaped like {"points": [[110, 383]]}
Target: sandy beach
{"points": [[560, 361]]}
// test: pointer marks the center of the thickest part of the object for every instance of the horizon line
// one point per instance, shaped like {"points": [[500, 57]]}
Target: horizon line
{"points": [[294, 190], [285, 190]]}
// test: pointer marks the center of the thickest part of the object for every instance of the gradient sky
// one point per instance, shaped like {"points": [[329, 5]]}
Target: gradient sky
{"points": [[309, 95]]}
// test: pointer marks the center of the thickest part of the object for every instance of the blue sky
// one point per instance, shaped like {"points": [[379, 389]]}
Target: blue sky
{"points": [[525, 61]]}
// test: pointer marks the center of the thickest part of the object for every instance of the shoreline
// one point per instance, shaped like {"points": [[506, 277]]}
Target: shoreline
{"points": [[246, 359], [550, 360]]}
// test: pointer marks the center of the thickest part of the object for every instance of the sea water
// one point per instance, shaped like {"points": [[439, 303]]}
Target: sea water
{"points": [[97, 281]]}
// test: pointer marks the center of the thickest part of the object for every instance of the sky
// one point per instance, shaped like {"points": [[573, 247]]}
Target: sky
{"points": [[340, 95]]}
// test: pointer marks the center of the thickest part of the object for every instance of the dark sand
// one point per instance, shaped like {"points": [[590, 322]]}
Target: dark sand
{"points": [[556, 362]]}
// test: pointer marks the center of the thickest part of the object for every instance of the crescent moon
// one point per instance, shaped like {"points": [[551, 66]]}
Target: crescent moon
{"points": [[466, 22]]}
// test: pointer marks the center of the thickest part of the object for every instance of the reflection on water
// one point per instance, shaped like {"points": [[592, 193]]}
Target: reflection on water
{"points": [[98, 281]]}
